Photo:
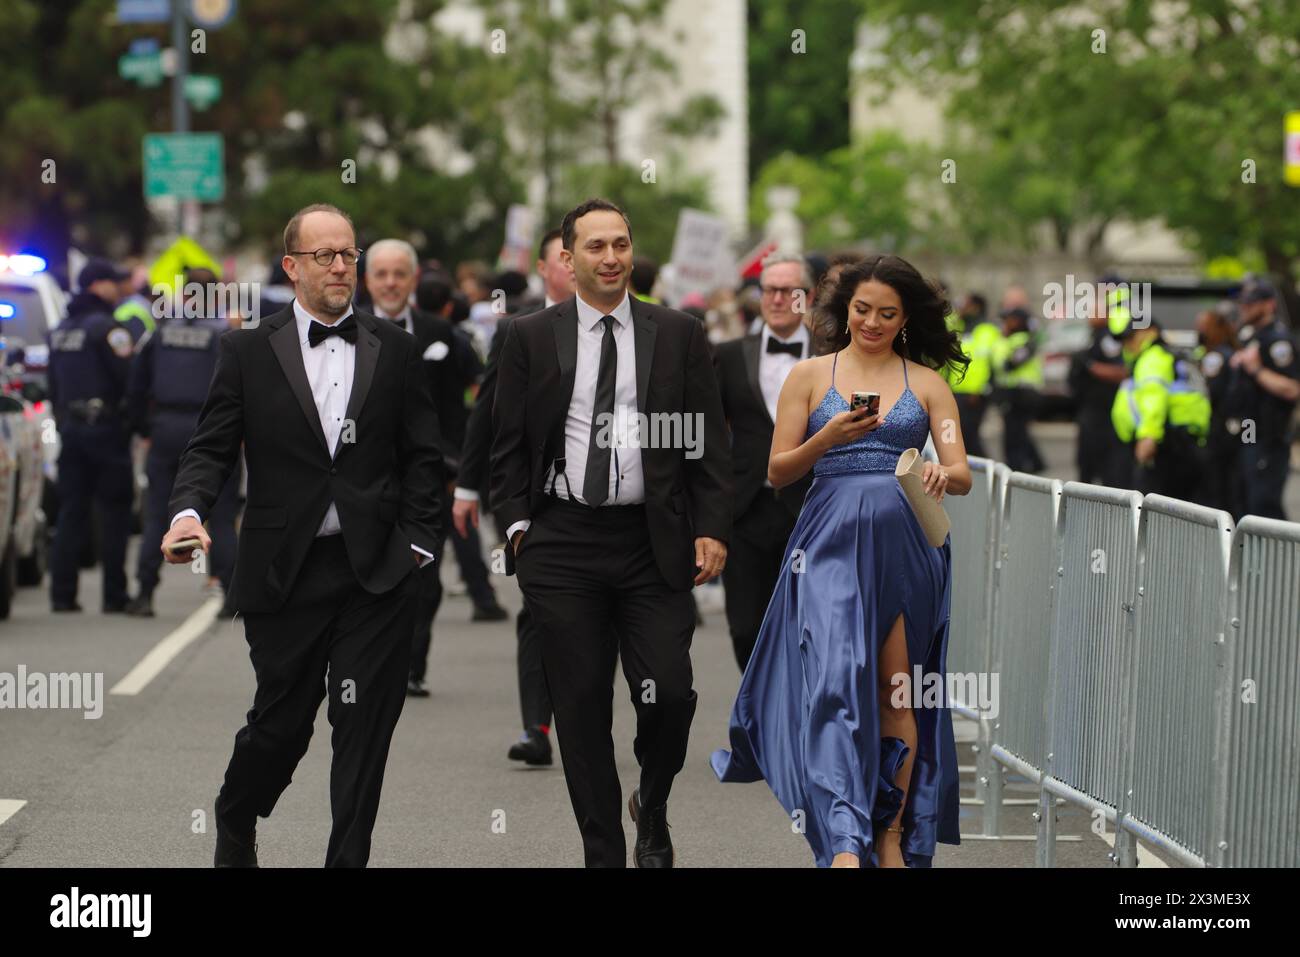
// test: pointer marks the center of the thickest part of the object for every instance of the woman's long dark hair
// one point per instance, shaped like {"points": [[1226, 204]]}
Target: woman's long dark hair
{"points": [[929, 340]]}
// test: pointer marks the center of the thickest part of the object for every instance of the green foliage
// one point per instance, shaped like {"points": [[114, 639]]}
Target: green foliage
{"points": [[798, 102], [1157, 125], [853, 193]]}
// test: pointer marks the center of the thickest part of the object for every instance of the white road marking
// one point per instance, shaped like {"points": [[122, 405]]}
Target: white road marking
{"points": [[8, 808], [161, 654]]}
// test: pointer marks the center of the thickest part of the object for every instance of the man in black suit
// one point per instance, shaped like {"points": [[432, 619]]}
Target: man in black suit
{"points": [[534, 747], [334, 412], [751, 372], [611, 471], [391, 275]]}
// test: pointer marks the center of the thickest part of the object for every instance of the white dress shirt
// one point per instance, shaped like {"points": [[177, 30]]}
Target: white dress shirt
{"points": [[468, 494], [329, 368], [626, 477], [775, 368], [402, 319]]}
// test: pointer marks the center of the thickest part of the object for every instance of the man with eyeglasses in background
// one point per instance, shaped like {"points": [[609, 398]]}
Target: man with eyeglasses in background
{"points": [[751, 372], [335, 413]]}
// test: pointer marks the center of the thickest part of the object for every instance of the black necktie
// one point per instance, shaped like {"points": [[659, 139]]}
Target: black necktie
{"points": [[318, 332], [792, 348], [595, 484]]}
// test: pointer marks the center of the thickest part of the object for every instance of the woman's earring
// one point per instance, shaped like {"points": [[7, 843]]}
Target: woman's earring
{"points": [[905, 335]]}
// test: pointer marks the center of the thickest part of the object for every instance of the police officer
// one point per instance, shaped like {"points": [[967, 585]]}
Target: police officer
{"points": [[135, 310], [1018, 373], [1095, 376], [166, 389], [1262, 397], [1216, 342], [980, 341], [90, 355], [1161, 412]]}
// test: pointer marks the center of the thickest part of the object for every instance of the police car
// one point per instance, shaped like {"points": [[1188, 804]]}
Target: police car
{"points": [[31, 303]]}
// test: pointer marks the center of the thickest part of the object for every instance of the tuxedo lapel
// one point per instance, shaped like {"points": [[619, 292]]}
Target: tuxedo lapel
{"points": [[288, 351], [644, 329], [750, 348], [564, 327], [363, 373]]}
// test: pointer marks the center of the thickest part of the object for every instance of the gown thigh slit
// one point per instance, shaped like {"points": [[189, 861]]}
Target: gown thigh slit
{"points": [[807, 715]]}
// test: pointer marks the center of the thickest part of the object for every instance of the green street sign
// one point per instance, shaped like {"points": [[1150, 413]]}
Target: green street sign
{"points": [[202, 89], [144, 68], [184, 166]]}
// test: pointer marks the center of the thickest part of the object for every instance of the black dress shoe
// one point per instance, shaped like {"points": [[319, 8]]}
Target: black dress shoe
{"points": [[533, 748], [141, 606], [65, 606], [415, 688], [235, 850], [115, 608], [653, 846], [489, 613]]}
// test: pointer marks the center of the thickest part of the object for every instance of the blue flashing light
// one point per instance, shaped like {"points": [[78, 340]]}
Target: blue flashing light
{"points": [[7, 310]]}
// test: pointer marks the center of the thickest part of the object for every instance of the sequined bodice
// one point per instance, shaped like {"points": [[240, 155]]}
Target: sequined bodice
{"points": [[906, 426]]}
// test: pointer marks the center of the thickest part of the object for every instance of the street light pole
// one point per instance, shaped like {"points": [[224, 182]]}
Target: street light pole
{"points": [[180, 106]]}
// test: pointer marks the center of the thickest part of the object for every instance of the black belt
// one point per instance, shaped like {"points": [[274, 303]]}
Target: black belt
{"points": [[89, 411]]}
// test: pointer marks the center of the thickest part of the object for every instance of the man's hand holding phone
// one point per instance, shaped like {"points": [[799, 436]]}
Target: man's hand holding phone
{"points": [[183, 538]]}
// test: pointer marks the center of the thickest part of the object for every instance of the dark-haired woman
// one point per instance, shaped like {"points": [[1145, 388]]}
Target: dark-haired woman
{"points": [[825, 712]]}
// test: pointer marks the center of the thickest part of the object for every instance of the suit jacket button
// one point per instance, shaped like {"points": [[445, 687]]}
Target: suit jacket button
{"points": [[334, 471]]}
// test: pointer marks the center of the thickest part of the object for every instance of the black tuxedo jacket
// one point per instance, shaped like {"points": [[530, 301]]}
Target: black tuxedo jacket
{"points": [[447, 381], [478, 431], [685, 498], [386, 482], [736, 365]]}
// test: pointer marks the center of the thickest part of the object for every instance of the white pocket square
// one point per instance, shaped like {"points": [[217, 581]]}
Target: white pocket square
{"points": [[437, 351]]}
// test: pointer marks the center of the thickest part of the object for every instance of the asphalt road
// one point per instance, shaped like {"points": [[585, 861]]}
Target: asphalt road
{"points": [[135, 786]]}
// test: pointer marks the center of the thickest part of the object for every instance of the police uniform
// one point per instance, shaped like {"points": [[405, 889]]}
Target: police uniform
{"points": [[1099, 455], [167, 387], [980, 344], [1265, 462], [1221, 480], [1163, 401], [1018, 371], [89, 358]]}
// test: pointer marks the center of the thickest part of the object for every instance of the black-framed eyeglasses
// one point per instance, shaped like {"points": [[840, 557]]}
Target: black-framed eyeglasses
{"points": [[325, 257], [787, 291]]}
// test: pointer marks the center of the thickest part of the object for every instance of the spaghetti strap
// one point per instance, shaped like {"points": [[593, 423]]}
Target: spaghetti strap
{"points": [[905, 383], [833, 361]]}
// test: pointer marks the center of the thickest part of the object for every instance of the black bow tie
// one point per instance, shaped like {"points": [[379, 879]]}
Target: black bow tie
{"points": [[397, 321], [790, 348], [318, 332]]}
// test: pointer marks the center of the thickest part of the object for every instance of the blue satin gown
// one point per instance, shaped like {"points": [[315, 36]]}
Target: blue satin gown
{"points": [[807, 716]]}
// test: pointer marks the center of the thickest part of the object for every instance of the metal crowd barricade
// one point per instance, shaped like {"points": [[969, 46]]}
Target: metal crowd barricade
{"points": [[973, 519], [1257, 805], [1178, 670], [1091, 653], [1024, 588]]}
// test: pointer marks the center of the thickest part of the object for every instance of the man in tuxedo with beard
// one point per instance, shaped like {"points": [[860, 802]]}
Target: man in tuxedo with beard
{"points": [[333, 409], [391, 267], [751, 372], [534, 747], [609, 527]]}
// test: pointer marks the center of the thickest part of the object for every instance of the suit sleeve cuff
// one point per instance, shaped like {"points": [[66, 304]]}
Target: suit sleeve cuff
{"points": [[520, 526], [466, 495], [189, 512], [427, 556]]}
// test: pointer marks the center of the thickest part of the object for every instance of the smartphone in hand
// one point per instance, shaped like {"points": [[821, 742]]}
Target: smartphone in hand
{"points": [[871, 400], [184, 545]]}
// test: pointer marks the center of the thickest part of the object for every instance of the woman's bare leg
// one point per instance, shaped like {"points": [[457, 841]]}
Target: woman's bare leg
{"points": [[896, 721]]}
